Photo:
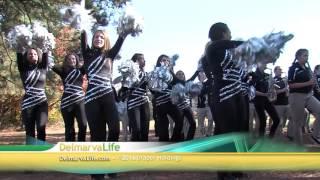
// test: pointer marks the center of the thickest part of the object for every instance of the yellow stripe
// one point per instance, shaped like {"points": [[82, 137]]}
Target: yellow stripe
{"points": [[57, 161]]}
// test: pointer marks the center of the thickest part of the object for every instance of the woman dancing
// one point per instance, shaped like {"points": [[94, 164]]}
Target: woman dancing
{"points": [[138, 104], [99, 99], [72, 101], [228, 101], [32, 66], [164, 107], [185, 105]]}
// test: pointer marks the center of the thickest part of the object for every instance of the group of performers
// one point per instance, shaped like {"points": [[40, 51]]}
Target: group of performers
{"points": [[224, 98]]}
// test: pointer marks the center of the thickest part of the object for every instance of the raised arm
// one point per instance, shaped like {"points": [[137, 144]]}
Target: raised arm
{"points": [[82, 70], [112, 53], [225, 44], [216, 50], [44, 62], [20, 62], [57, 69], [84, 42], [193, 77]]}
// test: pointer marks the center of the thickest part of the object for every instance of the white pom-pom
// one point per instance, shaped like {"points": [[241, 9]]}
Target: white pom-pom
{"points": [[178, 93], [130, 73], [130, 22], [174, 59], [42, 38], [194, 89], [251, 92], [78, 17], [266, 49], [159, 78], [122, 108], [20, 37]]}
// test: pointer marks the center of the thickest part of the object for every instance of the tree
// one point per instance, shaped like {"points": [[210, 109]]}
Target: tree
{"points": [[14, 12]]}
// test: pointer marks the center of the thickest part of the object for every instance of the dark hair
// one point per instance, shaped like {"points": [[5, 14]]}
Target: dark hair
{"points": [[216, 31], [65, 65], [180, 71], [317, 67], [298, 53], [158, 64], [136, 56], [39, 53], [276, 67]]}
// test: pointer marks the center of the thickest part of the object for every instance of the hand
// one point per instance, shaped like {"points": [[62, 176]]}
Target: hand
{"points": [[124, 34], [287, 91], [311, 82]]}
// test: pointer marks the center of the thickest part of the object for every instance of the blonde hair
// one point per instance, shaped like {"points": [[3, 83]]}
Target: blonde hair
{"points": [[106, 45]]}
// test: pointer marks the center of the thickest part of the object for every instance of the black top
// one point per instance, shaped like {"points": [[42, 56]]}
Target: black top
{"points": [[316, 88], [282, 98], [261, 81], [72, 81], [226, 75], [138, 94], [202, 98], [70, 75], [163, 96], [97, 68], [299, 74], [187, 101], [33, 78]]}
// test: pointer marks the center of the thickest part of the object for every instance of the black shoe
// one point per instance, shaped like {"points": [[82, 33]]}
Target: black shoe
{"points": [[97, 177], [28, 172], [317, 140], [290, 138], [113, 175], [240, 175]]}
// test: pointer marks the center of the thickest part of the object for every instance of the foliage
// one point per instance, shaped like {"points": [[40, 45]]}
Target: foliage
{"points": [[14, 12]]}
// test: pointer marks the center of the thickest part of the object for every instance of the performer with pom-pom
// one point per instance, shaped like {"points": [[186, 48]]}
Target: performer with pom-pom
{"points": [[184, 100], [100, 104], [72, 101], [29, 42], [32, 66], [228, 101], [138, 103], [163, 103]]}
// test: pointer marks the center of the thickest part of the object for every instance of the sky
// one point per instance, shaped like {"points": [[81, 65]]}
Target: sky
{"points": [[182, 26]]}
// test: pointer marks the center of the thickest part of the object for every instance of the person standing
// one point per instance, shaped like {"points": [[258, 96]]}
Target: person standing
{"points": [[100, 103], [262, 103], [282, 102], [316, 89], [301, 83], [32, 66], [185, 106], [72, 101], [228, 101], [165, 107], [203, 109], [138, 104]]}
